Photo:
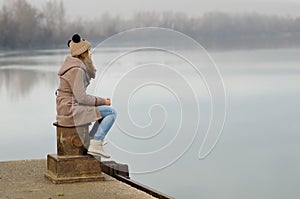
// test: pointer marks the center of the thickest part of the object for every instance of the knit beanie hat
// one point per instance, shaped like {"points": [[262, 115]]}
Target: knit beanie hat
{"points": [[78, 45]]}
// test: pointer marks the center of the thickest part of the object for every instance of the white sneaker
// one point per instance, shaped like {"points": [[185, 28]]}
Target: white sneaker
{"points": [[96, 149]]}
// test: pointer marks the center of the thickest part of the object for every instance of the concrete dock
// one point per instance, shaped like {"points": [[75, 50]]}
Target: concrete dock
{"points": [[25, 179]]}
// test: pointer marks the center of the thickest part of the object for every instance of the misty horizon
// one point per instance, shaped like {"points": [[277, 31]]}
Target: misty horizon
{"points": [[24, 25], [93, 9]]}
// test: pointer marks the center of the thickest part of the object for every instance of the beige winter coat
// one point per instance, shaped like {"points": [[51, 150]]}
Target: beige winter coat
{"points": [[73, 105]]}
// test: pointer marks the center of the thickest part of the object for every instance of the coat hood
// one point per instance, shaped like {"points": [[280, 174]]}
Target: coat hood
{"points": [[70, 62]]}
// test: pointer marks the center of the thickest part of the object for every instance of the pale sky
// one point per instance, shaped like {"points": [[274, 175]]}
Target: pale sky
{"points": [[125, 8]]}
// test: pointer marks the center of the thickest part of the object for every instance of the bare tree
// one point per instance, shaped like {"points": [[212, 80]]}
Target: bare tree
{"points": [[8, 28], [53, 20], [26, 24]]}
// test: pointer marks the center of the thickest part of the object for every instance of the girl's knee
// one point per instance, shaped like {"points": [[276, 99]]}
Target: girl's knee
{"points": [[113, 112]]}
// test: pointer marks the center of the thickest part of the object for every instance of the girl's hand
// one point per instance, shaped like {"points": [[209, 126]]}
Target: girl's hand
{"points": [[107, 102]]}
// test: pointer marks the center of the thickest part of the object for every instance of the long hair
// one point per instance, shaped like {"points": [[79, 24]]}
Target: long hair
{"points": [[87, 61]]}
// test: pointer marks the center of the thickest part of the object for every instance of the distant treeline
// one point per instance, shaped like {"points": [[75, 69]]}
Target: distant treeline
{"points": [[24, 26]]}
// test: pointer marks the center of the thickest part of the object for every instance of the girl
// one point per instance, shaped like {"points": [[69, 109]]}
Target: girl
{"points": [[74, 106]]}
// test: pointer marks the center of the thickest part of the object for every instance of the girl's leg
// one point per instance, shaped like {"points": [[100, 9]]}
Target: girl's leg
{"points": [[95, 128], [108, 114]]}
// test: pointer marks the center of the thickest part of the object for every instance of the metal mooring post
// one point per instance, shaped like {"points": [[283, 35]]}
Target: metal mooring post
{"points": [[71, 163]]}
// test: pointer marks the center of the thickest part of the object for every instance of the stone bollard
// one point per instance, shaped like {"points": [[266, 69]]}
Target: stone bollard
{"points": [[72, 141], [71, 163]]}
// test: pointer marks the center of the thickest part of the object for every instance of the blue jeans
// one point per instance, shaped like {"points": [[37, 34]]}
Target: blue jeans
{"points": [[109, 115]]}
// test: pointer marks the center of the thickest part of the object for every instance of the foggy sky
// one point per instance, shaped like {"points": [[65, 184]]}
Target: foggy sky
{"points": [[125, 8]]}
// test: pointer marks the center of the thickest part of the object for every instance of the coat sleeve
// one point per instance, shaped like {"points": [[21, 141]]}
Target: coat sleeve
{"points": [[79, 91]]}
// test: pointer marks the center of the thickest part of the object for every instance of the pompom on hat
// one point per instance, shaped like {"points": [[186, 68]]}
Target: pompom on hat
{"points": [[78, 45]]}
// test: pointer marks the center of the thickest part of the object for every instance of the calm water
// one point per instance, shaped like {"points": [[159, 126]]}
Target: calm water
{"points": [[164, 110]]}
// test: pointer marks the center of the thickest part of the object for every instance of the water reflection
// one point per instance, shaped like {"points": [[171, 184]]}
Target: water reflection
{"points": [[27, 104], [18, 83]]}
